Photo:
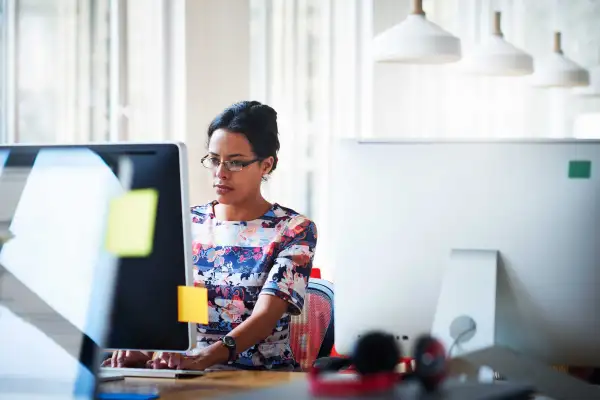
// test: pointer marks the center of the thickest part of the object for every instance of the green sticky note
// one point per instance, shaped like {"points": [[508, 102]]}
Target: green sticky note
{"points": [[580, 169], [131, 222]]}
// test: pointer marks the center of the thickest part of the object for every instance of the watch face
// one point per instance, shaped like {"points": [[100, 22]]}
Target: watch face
{"points": [[229, 341]]}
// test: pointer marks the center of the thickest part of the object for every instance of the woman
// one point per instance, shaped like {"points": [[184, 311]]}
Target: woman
{"points": [[254, 257]]}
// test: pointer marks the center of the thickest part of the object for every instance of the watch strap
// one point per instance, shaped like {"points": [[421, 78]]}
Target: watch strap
{"points": [[231, 347]]}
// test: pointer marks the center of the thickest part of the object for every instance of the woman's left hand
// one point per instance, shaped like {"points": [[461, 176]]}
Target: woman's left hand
{"points": [[165, 360]]}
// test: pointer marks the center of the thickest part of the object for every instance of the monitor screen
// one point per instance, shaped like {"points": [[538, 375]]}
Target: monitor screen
{"points": [[145, 315]]}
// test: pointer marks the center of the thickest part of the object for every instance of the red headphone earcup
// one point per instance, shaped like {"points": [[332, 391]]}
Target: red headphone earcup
{"points": [[430, 362], [344, 387], [375, 358]]}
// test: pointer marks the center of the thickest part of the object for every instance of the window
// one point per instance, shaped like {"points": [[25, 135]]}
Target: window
{"points": [[55, 58], [307, 63], [290, 38], [3, 71], [147, 70], [288, 55]]}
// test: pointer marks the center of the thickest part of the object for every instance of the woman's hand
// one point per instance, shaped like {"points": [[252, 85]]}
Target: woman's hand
{"points": [[206, 359], [179, 361], [127, 359]]}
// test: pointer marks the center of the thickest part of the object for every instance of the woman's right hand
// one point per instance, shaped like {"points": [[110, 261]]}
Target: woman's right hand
{"points": [[127, 359]]}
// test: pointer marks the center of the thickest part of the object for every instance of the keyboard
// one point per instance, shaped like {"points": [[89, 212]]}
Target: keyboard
{"points": [[110, 374]]}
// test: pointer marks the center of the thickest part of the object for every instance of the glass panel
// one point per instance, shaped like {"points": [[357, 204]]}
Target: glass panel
{"points": [[56, 279]]}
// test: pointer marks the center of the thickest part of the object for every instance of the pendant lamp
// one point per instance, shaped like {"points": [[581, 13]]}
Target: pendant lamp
{"points": [[416, 40], [556, 70], [593, 90], [497, 57]]}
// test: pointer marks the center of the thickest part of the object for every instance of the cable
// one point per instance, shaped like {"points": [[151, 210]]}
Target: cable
{"points": [[457, 340]]}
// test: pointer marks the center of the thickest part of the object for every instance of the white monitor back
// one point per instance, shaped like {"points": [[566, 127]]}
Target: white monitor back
{"points": [[400, 208]]}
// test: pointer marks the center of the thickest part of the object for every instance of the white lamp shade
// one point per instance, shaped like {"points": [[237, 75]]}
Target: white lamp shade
{"points": [[497, 57], [593, 89], [556, 70], [559, 71], [416, 41]]}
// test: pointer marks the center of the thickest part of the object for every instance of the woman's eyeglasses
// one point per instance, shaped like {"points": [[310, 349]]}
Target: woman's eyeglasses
{"points": [[231, 165]]}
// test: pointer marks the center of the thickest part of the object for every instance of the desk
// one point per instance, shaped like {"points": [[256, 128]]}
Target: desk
{"points": [[247, 385], [213, 384]]}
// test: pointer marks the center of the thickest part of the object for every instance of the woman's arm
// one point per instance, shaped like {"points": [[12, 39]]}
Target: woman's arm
{"points": [[283, 291], [267, 311]]}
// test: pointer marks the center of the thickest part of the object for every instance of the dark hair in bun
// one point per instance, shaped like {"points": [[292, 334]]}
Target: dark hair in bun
{"points": [[256, 121]]}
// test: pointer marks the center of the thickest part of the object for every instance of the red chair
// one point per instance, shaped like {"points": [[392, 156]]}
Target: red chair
{"points": [[312, 332]]}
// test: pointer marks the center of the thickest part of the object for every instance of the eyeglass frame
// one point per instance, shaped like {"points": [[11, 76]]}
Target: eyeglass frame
{"points": [[227, 163]]}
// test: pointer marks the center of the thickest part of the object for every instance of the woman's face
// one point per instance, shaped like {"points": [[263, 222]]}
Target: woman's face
{"points": [[235, 187]]}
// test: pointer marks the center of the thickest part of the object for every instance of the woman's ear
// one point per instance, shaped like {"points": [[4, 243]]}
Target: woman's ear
{"points": [[267, 165]]}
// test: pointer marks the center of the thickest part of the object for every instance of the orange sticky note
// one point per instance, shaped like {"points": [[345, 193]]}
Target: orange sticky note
{"points": [[193, 304]]}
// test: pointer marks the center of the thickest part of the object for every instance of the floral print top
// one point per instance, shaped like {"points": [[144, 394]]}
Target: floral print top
{"points": [[238, 261]]}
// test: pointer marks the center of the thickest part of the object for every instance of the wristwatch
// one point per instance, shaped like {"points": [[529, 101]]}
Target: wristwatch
{"points": [[229, 343]]}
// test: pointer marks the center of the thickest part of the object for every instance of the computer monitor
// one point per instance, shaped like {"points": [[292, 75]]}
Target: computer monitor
{"points": [[145, 309], [56, 278], [510, 229], [145, 313]]}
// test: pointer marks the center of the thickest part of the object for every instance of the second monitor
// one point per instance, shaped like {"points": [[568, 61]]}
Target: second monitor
{"points": [[403, 209]]}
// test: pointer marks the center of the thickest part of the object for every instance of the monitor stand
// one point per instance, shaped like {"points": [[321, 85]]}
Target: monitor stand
{"points": [[465, 321]]}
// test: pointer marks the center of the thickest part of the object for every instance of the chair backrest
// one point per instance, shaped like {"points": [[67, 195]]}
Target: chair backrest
{"points": [[312, 332]]}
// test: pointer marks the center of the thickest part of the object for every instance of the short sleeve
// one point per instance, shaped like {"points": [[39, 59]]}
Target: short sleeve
{"points": [[288, 278]]}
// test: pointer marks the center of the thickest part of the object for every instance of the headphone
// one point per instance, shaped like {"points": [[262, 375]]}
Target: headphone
{"points": [[375, 358]]}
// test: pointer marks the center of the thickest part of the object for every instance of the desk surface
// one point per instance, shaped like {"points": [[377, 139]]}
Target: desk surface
{"points": [[211, 385], [248, 385]]}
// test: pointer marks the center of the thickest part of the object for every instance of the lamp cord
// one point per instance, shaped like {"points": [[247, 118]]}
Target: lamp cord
{"points": [[457, 340]]}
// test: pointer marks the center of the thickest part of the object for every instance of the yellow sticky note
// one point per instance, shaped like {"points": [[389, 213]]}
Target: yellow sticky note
{"points": [[193, 304], [131, 222]]}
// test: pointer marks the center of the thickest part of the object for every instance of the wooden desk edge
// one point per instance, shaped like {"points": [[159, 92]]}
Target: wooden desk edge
{"points": [[212, 384]]}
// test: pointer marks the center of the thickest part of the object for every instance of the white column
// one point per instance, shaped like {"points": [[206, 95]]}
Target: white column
{"points": [[217, 47]]}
